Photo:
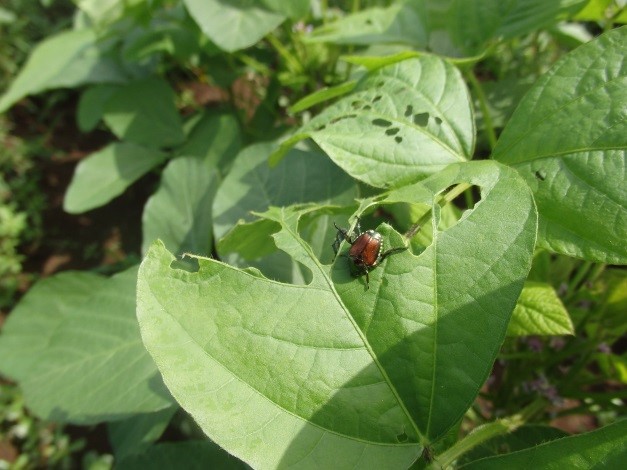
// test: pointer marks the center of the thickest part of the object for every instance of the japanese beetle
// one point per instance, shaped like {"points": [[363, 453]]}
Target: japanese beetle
{"points": [[365, 251]]}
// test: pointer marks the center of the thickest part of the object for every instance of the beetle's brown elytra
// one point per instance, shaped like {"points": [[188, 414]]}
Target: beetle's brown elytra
{"points": [[365, 251]]}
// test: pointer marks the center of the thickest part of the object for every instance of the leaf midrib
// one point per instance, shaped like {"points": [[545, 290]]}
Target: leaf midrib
{"points": [[361, 334]]}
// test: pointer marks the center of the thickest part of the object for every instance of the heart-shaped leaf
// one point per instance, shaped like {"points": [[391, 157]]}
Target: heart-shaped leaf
{"points": [[568, 138], [235, 24], [404, 122], [332, 374]]}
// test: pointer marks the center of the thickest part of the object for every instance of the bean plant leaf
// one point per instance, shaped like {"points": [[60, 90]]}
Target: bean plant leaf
{"points": [[179, 212], [105, 174], [330, 373], [92, 105], [568, 138], [539, 311], [74, 346], [143, 112], [235, 24], [68, 59], [402, 22], [605, 447], [403, 122]]}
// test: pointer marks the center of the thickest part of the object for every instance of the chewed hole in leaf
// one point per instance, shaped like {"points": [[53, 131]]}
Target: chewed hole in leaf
{"points": [[398, 139], [380, 84], [402, 437], [421, 119], [460, 207], [376, 98], [320, 127], [185, 263], [341, 118], [367, 107], [438, 121], [409, 110], [392, 131], [381, 122], [540, 175]]}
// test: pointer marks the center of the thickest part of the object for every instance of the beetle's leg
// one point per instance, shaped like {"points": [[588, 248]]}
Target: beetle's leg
{"points": [[339, 238], [367, 279], [391, 251]]}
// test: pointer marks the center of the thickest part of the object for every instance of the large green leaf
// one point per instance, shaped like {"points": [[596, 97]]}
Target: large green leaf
{"points": [[179, 212], [540, 311], [604, 448], [234, 24], [73, 345], [330, 374], [143, 112], [568, 138], [68, 59], [107, 173], [403, 122]]}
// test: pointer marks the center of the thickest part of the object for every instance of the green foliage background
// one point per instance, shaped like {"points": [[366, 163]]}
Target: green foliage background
{"points": [[488, 138]]}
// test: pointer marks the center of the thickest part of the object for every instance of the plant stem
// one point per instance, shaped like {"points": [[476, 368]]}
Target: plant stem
{"points": [[483, 104], [442, 200], [291, 61], [483, 433]]}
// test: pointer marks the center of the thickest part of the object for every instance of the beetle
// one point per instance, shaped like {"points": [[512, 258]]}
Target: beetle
{"points": [[365, 251]]}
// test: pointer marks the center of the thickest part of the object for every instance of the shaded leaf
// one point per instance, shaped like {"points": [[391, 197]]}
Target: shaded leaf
{"points": [[603, 448], [252, 186], [136, 434], [106, 174], [143, 112], [74, 347], [472, 23], [568, 138], [189, 455], [522, 438], [92, 105]]}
